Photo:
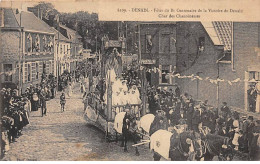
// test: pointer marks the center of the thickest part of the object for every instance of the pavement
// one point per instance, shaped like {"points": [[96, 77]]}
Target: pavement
{"points": [[65, 136]]}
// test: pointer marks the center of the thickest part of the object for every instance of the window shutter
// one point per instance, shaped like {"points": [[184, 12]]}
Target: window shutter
{"points": [[160, 74], [33, 71], [25, 73]]}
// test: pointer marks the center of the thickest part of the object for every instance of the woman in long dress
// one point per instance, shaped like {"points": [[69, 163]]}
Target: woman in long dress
{"points": [[69, 90]]}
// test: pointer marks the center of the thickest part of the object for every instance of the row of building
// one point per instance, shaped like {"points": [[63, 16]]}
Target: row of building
{"points": [[31, 45], [227, 52]]}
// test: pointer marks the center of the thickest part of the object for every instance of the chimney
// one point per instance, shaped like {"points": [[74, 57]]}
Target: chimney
{"points": [[36, 11]]}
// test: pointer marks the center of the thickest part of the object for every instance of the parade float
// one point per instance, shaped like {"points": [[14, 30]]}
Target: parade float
{"points": [[101, 112]]}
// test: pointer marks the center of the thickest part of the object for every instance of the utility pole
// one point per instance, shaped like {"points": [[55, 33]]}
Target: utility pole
{"points": [[96, 41], [20, 54], [125, 38]]}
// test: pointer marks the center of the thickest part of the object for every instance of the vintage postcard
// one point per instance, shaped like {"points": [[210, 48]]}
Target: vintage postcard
{"points": [[129, 80]]}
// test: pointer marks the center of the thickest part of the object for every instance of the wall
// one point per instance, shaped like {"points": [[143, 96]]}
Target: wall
{"points": [[190, 61], [9, 50], [163, 49], [245, 40]]}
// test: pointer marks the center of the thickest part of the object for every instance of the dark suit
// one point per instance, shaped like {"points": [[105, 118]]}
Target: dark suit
{"points": [[43, 103], [196, 120]]}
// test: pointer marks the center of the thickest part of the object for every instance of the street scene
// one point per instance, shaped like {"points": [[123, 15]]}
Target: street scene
{"points": [[74, 88]]}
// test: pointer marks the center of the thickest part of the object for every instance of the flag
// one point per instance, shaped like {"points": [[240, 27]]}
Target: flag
{"points": [[236, 80]]}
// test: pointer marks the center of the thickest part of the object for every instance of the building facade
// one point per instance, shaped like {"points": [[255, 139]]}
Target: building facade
{"points": [[27, 49], [63, 53], [158, 49], [227, 52]]}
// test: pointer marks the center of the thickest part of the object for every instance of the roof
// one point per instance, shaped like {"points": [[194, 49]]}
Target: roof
{"points": [[71, 34], [26, 22], [220, 33], [212, 32], [59, 36], [9, 18], [224, 32]]}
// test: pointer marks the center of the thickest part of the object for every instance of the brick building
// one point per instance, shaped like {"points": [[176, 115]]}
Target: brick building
{"points": [[158, 49], [209, 50], [27, 49]]}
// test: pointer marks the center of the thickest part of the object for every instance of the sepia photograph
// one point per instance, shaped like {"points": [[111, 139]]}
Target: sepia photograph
{"points": [[76, 87]]}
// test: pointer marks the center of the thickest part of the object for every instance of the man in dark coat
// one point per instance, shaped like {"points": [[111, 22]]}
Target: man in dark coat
{"points": [[43, 102], [196, 120], [189, 115], [225, 110], [252, 94], [247, 128], [177, 91]]}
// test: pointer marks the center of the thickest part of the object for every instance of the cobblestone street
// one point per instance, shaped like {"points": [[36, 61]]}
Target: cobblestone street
{"points": [[65, 136]]}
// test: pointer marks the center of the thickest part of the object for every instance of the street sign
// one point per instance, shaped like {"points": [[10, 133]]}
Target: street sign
{"points": [[148, 61]]}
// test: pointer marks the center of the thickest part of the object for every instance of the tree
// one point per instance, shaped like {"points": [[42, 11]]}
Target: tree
{"points": [[46, 9]]}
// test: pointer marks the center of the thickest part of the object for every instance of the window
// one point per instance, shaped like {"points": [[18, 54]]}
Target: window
{"points": [[25, 73], [165, 69], [172, 44], [61, 49], [52, 66], [37, 44], [226, 58], [29, 78], [164, 73], [254, 75], [148, 43], [45, 47], [8, 74], [37, 71], [33, 71], [47, 67], [164, 45], [40, 69], [50, 45], [64, 49], [29, 43], [201, 43]]}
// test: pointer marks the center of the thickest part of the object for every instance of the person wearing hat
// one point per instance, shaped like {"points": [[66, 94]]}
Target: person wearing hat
{"points": [[196, 120], [126, 126], [252, 94], [63, 101], [247, 128], [225, 110], [43, 102], [177, 91]]}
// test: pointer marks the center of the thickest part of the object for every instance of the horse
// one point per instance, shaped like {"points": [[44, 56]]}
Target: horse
{"points": [[217, 145], [126, 124], [178, 147]]}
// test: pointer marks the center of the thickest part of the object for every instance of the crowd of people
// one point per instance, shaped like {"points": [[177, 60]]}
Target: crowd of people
{"points": [[16, 107], [182, 110]]}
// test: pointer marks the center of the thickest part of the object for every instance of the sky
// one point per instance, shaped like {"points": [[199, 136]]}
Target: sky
{"points": [[60, 5]]}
